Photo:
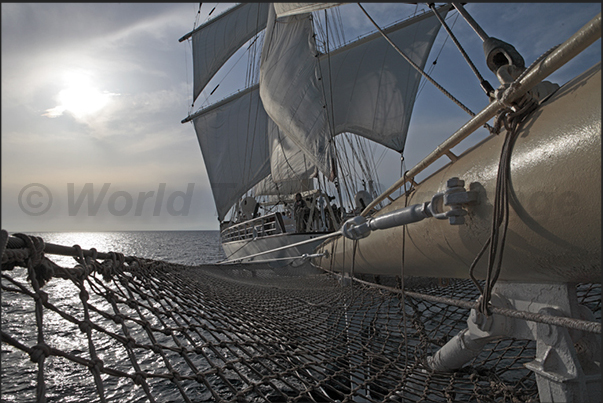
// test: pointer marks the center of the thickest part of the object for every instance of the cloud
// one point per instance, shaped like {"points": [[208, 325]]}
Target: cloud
{"points": [[135, 140]]}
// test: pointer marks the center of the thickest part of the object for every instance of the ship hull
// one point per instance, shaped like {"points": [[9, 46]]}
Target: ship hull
{"points": [[554, 229]]}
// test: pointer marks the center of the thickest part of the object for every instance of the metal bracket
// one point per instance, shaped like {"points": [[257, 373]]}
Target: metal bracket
{"points": [[568, 361], [454, 197], [564, 375], [469, 342]]}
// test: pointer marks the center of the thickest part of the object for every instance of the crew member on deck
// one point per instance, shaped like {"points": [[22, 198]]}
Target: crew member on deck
{"points": [[300, 210]]}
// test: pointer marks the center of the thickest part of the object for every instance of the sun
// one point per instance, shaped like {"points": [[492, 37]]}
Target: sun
{"points": [[80, 97]]}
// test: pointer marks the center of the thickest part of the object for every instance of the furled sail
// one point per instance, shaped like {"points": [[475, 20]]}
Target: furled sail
{"points": [[288, 9], [290, 90], [215, 42], [233, 138], [374, 88]]}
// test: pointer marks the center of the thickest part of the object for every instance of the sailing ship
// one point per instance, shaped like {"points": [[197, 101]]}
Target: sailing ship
{"points": [[277, 138], [518, 213]]}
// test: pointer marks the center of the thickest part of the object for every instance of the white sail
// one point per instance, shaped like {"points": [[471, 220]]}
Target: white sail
{"points": [[215, 42], [374, 88], [287, 161], [288, 9], [233, 138], [286, 189], [290, 90]]}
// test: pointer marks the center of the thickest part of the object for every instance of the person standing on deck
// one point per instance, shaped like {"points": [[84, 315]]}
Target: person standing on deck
{"points": [[300, 210]]}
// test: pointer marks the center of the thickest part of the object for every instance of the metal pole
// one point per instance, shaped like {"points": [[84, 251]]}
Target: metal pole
{"points": [[482, 34]]}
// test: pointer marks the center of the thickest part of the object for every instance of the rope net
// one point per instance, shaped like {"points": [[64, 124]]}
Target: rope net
{"points": [[132, 329]]}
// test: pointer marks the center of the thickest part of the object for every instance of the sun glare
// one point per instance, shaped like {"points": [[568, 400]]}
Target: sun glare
{"points": [[80, 98]]}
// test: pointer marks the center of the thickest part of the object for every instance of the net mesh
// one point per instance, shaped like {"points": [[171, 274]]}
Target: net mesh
{"points": [[144, 330]]}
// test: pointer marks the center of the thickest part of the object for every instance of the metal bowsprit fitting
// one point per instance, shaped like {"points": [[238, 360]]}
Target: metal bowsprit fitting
{"points": [[567, 365], [454, 197]]}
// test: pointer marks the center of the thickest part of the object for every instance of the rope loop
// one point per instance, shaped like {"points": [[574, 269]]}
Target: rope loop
{"points": [[35, 245], [501, 121], [44, 271], [114, 265], [39, 352], [139, 377], [505, 96], [79, 255], [511, 118], [85, 326], [106, 269], [79, 258], [40, 269], [96, 365], [42, 296]]}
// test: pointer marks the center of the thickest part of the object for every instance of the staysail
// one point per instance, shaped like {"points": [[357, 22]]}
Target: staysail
{"points": [[216, 41], [287, 160], [284, 189], [233, 138]]}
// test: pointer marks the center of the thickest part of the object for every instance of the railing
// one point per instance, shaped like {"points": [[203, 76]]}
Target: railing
{"points": [[271, 224]]}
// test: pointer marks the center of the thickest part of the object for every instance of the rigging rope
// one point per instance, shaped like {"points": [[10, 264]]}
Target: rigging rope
{"points": [[511, 119], [483, 83], [500, 215]]}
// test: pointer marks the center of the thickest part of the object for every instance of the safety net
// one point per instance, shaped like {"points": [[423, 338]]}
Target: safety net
{"points": [[134, 329]]}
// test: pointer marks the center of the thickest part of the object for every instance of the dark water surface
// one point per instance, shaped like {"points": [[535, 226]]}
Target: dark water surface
{"points": [[65, 380]]}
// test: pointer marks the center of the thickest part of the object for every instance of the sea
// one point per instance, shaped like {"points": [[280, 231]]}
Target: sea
{"points": [[18, 373]]}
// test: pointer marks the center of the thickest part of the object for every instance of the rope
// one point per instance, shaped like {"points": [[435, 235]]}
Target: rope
{"points": [[484, 84], [511, 120]]}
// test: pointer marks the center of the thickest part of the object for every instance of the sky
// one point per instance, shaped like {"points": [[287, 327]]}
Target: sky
{"points": [[93, 96]]}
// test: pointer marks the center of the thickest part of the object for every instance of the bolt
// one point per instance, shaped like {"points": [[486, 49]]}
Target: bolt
{"points": [[456, 220], [455, 182]]}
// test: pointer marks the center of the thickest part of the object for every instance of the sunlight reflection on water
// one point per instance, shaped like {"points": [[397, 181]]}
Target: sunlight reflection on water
{"points": [[184, 247], [65, 380]]}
